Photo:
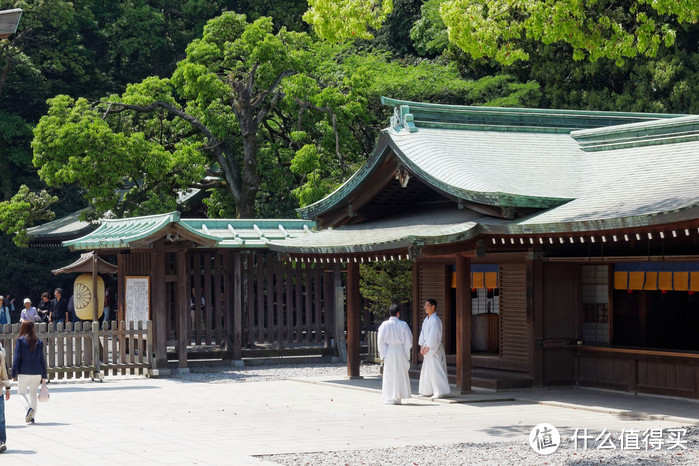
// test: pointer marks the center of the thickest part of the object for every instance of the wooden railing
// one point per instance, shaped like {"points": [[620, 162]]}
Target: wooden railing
{"points": [[372, 340], [86, 350]]}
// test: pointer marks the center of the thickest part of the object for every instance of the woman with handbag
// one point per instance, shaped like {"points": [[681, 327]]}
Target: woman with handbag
{"points": [[29, 367]]}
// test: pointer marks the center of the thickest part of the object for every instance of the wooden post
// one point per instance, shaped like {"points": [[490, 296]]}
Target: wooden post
{"points": [[159, 310], [229, 298], [463, 324], [183, 312], [95, 294], [328, 302], [417, 307], [339, 313], [353, 318], [237, 307], [121, 286]]}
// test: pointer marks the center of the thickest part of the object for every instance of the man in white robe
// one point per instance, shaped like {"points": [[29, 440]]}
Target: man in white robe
{"points": [[433, 376], [395, 340]]}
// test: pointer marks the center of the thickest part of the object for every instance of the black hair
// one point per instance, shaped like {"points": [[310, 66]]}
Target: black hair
{"points": [[393, 310], [433, 302]]}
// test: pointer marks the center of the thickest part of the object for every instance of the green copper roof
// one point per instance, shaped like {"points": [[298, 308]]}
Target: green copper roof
{"points": [[496, 156], [223, 233], [393, 233], [61, 228], [414, 115], [632, 171]]}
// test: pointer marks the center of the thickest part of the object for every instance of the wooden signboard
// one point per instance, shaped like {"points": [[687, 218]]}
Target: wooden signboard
{"points": [[137, 299]]}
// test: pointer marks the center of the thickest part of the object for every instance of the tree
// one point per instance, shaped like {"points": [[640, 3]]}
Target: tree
{"points": [[498, 28], [218, 98], [338, 20], [350, 90], [386, 283]]}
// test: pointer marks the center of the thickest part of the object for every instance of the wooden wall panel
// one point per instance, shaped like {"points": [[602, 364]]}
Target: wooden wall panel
{"points": [[514, 330], [433, 285]]}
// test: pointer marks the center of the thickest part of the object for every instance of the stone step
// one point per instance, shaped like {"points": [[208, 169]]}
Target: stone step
{"points": [[486, 378]]}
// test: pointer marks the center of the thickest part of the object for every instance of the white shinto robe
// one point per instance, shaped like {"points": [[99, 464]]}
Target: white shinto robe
{"points": [[433, 376], [395, 340]]}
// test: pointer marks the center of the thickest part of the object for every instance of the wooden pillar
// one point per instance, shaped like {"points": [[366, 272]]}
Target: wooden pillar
{"points": [[463, 324], [237, 321], [183, 312], [328, 306], [353, 318], [339, 313], [95, 302], [121, 286], [417, 307], [535, 319], [159, 309]]}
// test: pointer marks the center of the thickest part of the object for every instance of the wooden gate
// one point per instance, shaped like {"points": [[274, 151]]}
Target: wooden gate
{"points": [[283, 302]]}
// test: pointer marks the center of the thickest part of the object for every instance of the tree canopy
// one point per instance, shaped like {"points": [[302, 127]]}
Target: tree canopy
{"points": [[498, 28]]}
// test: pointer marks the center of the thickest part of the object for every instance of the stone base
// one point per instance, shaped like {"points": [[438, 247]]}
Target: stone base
{"points": [[157, 373]]}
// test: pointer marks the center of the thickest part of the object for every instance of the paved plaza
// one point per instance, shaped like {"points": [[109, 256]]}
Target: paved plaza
{"points": [[135, 420]]}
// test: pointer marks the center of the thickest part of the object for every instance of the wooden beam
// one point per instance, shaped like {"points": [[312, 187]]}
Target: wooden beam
{"points": [[353, 319], [463, 324]]}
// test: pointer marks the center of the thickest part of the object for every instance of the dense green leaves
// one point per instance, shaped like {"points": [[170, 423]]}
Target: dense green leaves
{"points": [[386, 283], [338, 20], [498, 28]]}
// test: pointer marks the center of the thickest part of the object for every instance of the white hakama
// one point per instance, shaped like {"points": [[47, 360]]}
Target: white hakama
{"points": [[395, 340], [433, 376]]}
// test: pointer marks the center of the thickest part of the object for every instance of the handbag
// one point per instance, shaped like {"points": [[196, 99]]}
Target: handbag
{"points": [[44, 392]]}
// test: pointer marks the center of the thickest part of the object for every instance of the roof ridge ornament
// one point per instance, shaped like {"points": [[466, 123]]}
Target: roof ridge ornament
{"points": [[403, 119]]}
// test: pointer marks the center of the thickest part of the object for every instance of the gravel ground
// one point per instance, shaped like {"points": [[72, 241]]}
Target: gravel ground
{"points": [[510, 453], [228, 374], [504, 453]]}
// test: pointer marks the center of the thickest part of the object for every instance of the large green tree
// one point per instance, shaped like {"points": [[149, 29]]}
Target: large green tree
{"points": [[218, 99]]}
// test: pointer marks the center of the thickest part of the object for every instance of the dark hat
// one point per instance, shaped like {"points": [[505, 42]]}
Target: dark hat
{"points": [[58, 290]]}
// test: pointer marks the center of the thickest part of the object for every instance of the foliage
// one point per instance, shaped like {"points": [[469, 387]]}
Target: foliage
{"points": [[385, 283], [429, 33], [136, 170], [25, 209], [338, 20], [168, 135], [497, 28], [351, 88]]}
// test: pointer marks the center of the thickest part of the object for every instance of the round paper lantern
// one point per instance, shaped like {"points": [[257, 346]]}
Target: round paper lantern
{"points": [[83, 295]]}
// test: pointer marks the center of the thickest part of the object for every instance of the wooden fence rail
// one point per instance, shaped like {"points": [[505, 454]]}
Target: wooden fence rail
{"points": [[85, 350]]}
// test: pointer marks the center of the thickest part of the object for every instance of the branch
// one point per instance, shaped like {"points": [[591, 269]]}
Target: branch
{"points": [[217, 147], [333, 118], [260, 97], [209, 185]]}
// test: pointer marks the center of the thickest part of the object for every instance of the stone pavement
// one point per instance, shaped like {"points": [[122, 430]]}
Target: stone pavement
{"points": [[164, 421]]}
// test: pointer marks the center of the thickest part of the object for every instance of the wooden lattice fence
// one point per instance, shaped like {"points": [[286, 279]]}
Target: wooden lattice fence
{"points": [[86, 350]]}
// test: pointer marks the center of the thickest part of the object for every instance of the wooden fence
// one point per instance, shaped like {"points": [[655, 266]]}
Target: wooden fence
{"points": [[86, 350]]}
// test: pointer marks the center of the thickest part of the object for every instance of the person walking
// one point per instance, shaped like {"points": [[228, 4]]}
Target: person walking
{"points": [[29, 367], [29, 312], [5, 381], [433, 375], [395, 340]]}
